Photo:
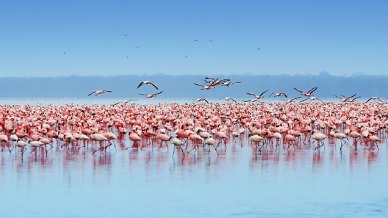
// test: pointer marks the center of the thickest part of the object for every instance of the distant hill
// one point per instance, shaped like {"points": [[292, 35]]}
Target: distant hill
{"points": [[182, 86]]}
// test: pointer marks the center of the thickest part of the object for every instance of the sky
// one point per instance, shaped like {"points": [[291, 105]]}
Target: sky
{"points": [[83, 37]]}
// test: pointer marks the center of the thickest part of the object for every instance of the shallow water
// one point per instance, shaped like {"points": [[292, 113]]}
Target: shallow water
{"points": [[238, 183]]}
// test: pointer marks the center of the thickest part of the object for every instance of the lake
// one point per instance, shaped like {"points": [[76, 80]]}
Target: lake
{"points": [[149, 183]]}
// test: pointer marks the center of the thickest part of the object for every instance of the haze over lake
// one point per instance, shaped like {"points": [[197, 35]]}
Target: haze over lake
{"points": [[181, 86]]}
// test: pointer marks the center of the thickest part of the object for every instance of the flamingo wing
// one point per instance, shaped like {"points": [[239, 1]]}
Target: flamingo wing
{"points": [[312, 90], [261, 94], [198, 84], [305, 99], [298, 90], [154, 85]]}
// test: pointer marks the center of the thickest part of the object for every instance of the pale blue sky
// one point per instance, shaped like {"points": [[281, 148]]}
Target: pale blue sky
{"points": [[81, 37]]}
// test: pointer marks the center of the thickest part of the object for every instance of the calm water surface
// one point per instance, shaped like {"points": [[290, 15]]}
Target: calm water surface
{"points": [[238, 183]]}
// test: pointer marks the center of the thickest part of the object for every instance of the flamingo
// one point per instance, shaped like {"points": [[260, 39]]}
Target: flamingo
{"points": [[375, 99], [99, 92], [99, 138], [309, 93], [152, 95], [258, 97], [147, 83], [256, 139], [229, 83], [200, 100], [341, 137], [229, 99], [209, 141], [177, 144], [278, 94], [318, 137]]}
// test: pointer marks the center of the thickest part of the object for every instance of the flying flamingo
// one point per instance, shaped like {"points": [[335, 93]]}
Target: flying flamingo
{"points": [[152, 95], [205, 87], [309, 93], [147, 83], [99, 92], [278, 94], [293, 99], [258, 97], [200, 100], [374, 98], [229, 99], [229, 83]]}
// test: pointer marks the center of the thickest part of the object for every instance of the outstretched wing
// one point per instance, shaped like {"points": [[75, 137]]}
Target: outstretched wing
{"points": [[312, 90], [350, 97], [250, 93], [198, 84], [304, 99], [92, 93], [261, 94], [140, 84], [368, 100], [295, 98], [154, 85], [298, 90]]}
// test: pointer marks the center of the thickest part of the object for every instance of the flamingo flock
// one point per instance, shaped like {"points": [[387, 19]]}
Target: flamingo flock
{"points": [[191, 129]]}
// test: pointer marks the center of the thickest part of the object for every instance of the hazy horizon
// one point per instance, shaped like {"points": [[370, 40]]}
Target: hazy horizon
{"points": [[181, 86]]}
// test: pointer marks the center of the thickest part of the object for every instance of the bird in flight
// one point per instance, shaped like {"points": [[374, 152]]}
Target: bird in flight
{"points": [[229, 99], [293, 99], [374, 98], [308, 93], [147, 83], [151, 95], [99, 92], [205, 87], [278, 94], [228, 83], [253, 100], [258, 97], [123, 102], [351, 98], [200, 100]]}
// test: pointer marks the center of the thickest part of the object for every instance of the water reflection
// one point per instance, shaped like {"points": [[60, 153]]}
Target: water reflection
{"points": [[151, 159], [245, 182]]}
